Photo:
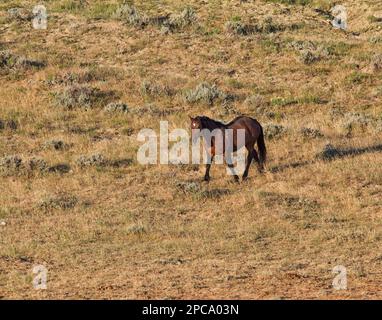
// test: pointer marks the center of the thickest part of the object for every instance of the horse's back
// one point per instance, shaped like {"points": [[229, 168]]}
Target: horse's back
{"points": [[242, 122]]}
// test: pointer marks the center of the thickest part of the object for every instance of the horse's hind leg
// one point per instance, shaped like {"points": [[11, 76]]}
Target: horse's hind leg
{"points": [[260, 167], [231, 166], [251, 154]]}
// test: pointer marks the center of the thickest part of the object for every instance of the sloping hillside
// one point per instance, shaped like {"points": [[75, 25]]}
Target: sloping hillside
{"points": [[74, 198]]}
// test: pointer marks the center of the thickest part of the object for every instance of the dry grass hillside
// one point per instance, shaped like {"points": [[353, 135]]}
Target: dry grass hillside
{"points": [[74, 198]]}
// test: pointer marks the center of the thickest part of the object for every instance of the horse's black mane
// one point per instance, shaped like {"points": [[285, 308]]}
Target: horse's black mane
{"points": [[206, 122]]}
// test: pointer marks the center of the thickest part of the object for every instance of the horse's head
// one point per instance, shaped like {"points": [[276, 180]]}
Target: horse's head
{"points": [[196, 127], [196, 123]]}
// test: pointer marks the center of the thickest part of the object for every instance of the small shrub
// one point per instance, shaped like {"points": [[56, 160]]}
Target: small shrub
{"points": [[131, 15], [152, 89], [59, 201], [311, 133], [115, 107], [19, 14], [188, 187], [376, 63], [34, 163], [92, 160], [272, 131], [8, 124], [255, 101], [205, 92], [55, 145], [10, 61], [10, 163], [352, 121], [152, 110], [14, 164], [310, 52], [86, 97], [177, 22], [95, 73], [269, 26], [136, 229], [239, 28]]}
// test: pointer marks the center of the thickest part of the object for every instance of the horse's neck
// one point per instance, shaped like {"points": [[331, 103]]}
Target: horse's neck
{"points": [[217, 125]]}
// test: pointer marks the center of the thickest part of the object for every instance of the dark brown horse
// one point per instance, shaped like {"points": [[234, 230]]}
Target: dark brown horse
{"points": [[253, 134]]}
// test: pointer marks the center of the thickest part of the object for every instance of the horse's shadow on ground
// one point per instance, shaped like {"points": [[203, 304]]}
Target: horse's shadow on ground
{"points": [[328, 154]]}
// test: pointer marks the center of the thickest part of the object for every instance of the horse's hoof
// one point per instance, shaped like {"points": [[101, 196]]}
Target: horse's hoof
{"points": [[206, 179]]}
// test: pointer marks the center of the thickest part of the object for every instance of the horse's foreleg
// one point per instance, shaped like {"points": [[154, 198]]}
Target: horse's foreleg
{"points": [[208, 167]]}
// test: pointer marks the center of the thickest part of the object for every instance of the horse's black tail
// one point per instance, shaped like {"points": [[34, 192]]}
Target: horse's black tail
{"points": [[262, 148]]}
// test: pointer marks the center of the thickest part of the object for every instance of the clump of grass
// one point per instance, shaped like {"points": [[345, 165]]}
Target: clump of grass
{"points": [[188, 187], [357, 77], [117, 107], [198, 191], [311, 133], [8, 124], [207, 93], [283, 101], [86, 97], [55, 144], [10, 61], [269, 26], [272, 131], [152, 89], [292, 2], [58, 201], [312, 56], [289, 201], [376, 63], [136, 229], [255, 101], [19, 14], [152, 110], [96, 159], [352, 121], [95, 73], [214, 193], [237, 27], [310, 52]]}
